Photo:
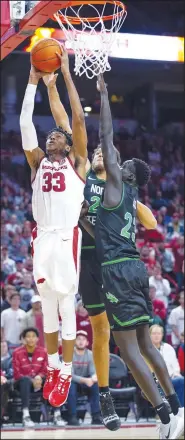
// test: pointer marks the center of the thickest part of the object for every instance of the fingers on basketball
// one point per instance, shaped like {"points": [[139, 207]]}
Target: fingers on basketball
{"points": [[63, 51]]}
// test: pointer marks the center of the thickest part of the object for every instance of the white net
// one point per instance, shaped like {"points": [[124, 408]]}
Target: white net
{"points": [[91, 40]]}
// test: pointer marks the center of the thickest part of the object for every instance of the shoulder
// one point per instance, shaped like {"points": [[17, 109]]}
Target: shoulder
{"points": [[151, 279], [176, 311], [165, 281], [19, 351], [168, 347], [89, 353], [21, 312], [41, 350]]}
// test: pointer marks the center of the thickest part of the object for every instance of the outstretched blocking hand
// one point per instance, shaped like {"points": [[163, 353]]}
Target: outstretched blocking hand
{"points": [[50, 79], [101, 86], [64, 59]]}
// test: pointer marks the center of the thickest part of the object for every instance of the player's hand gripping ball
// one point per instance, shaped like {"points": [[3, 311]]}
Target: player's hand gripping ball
{"points": [[44, 55]]}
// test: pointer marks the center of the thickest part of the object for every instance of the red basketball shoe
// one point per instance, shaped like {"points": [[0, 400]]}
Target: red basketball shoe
{"points": [[59, 394], [51, 380]]}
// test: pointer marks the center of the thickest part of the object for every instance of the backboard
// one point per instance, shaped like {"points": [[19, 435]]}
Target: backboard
{"points": [[15, 30]]}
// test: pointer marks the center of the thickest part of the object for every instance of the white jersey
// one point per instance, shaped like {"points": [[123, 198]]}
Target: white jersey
{"points": [[58, 194]]}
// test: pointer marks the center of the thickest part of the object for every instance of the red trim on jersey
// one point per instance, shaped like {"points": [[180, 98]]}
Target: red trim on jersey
{"points": [[34, 236], [75, 245], [71, 163], [37, 169]]}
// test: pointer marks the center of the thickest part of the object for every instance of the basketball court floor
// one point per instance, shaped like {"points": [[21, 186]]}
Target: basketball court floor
{"points": [[128, 430]]}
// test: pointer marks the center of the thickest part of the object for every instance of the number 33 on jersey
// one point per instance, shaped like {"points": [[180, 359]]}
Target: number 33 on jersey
{"points": [[57, 195]]}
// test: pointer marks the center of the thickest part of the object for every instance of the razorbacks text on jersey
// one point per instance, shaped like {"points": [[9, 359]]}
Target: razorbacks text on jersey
{"points": [[115, 228], [92, 193], [58, 194]]}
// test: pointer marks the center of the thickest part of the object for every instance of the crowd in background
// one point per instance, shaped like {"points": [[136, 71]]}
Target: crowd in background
{"points": [[162, 250]]}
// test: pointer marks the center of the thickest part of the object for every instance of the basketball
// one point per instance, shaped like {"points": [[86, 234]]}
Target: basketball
{"points": [[43, 55]]}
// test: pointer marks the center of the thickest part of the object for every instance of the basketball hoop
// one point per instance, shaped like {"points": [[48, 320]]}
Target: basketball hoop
{"points": [[91, 37]]}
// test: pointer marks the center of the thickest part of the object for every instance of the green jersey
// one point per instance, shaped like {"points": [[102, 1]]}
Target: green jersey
{"points": [[115, 229], [92, 193]]}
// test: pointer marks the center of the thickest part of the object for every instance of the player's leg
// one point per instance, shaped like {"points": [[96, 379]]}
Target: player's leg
{"points": [[127, 309], [60, 392], [51, 327], [152, 355], [90, 288], [100, 349]]}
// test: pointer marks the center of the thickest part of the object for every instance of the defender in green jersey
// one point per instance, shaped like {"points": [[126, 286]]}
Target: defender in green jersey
{"points": [[125, 280]]}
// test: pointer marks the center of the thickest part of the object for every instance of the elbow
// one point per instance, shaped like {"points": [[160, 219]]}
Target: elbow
{"points": [[79, 117], [151, 225], [23, 121]]}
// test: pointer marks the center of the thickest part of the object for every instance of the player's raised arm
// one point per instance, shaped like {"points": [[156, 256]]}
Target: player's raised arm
{"points": [[145, 216], [110, 155], [33, 153], [79, 133], [58, 111], [114, 184]]}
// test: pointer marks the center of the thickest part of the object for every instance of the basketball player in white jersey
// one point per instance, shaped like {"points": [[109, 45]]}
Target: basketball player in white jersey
{"points": [[58, 180]]}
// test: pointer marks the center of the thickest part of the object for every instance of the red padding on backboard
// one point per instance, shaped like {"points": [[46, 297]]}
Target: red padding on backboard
{"points": [[34, 19], [5, 16]]}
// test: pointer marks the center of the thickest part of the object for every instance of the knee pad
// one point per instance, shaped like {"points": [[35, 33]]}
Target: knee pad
{"points": [[68, 315], [50, 312]]}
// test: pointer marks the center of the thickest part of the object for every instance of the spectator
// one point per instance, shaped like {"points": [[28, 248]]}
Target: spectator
{"points": [[6, 361], [165, 258], [83, 321], [178, 251], [181, 354], [159, 309], [5, 388], [12, 322], [147, 255], [34, 318], [28, 213], [83, 380], [23, 252], [13, 225], [29, 365], [176, 321], [29, 265], [175, 228], [8, 290], [171, 361], [162, 285], [26, 291], [7, 264]]}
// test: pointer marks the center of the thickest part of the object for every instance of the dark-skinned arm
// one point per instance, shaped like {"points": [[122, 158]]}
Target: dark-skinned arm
{"points": [[58, 111], [87, 225], [79, 133], [114, 185]]}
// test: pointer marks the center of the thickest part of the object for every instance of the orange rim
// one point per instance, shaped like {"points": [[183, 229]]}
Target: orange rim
{"points": [[76, 20]]}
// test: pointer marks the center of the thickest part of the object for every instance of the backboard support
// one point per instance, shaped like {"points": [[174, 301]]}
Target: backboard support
{"points": [[12, 36], [5, 16]]}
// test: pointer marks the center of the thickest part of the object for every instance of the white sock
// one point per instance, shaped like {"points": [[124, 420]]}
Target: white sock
{"points": [[54, 361], [25, 412], [66, 368], [57, 413]]}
